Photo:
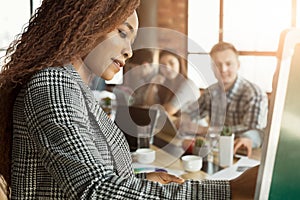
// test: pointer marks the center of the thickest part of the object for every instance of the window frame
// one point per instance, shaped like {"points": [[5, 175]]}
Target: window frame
{"points": [[293, 23]]}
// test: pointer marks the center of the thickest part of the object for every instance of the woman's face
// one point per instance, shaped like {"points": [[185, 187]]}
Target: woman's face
{"points": [[109, 56], [170, 66]]}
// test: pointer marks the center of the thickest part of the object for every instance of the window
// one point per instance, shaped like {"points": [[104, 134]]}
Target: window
{"points": [[255, 25], [252, 26], [13, 19], [298, 15]]}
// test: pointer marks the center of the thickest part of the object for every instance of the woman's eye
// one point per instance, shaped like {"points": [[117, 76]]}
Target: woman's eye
{"points": [[123, 34]]}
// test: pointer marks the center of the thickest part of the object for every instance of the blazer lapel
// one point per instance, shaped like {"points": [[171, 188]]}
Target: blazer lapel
{"points": [[114, 136]]}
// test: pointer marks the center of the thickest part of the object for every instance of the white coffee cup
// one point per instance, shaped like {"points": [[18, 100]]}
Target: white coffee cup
{"points": [[145, 155], [192, 163]]}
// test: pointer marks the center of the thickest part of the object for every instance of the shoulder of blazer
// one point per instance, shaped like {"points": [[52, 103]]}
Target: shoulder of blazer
{"points": [[62, 75]]}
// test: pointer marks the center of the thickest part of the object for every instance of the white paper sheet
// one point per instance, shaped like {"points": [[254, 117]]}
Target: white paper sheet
{"points": [[235, 170]]}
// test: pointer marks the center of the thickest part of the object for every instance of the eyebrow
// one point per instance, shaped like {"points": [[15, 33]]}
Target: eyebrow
{"points": [[131, 29], [129, 26]]}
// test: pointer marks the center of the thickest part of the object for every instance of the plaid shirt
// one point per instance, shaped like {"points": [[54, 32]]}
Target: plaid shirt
{"points": [[65, 147], [245, 106]]}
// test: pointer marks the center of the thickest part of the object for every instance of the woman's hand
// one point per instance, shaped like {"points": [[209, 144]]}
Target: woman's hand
{"points": [[163, 177], [158, 79], [152, 90]]}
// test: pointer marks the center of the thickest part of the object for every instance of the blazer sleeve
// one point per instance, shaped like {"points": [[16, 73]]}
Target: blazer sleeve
{"points": [[57, 120]]}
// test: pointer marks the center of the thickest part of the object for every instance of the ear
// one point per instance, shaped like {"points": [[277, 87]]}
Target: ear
{"points": [[239, 63]]}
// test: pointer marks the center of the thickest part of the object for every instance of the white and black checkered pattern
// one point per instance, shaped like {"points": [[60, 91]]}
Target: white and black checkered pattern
{"points": [[65, 147]]}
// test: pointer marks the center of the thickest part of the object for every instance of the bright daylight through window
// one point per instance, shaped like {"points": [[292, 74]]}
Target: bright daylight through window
{"points": [[253, 26]]}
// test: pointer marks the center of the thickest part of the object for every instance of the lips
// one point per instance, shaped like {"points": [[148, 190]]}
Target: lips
{"points": [[118, 63]]}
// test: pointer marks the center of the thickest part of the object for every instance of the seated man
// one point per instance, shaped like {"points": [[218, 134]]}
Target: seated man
{"points": [[246, 104]]}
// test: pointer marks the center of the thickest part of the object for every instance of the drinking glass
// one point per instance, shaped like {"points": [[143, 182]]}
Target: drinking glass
{"points": [[144, 136]]}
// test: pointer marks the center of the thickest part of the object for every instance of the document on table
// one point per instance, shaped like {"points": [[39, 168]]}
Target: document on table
{"points": [[234, 170], [140, 168]]}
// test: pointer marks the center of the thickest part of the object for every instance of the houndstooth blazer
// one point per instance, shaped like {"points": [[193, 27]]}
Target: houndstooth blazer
{"points": [[65, 147]]}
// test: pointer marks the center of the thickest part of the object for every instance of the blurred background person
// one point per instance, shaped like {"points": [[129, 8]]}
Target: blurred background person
{"points": [[170, 87], [139, 70], [246, 103]]}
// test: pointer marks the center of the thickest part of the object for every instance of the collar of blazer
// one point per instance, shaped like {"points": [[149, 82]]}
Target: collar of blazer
{"points": [[107, 127], [91, 103]]}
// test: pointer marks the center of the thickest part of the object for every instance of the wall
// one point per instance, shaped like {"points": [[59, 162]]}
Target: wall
{"points": [[172, 14], [169, 19]]}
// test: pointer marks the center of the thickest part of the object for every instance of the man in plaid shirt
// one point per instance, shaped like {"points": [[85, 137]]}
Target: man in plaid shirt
{"points": [[236, 103]]}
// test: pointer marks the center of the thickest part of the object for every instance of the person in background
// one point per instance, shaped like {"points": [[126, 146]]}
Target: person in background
{"points": [[139, 70], [170, 87], [246, 103], [56, 141]]}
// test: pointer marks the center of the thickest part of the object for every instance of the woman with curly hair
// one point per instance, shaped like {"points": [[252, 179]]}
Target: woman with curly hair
{"points": [[56, 141]]}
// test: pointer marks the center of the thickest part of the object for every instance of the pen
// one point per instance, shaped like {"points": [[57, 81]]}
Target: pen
{"points": [[149, 169]]}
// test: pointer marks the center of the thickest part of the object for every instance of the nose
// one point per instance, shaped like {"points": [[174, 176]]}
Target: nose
{"points": [[223, 68], [169, 68], [127, 52]]}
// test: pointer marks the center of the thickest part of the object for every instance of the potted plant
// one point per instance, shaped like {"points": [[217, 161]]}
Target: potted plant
{"points": [[199, 141], [201, 147], [226, 131], [226, 143], [106, 105]]}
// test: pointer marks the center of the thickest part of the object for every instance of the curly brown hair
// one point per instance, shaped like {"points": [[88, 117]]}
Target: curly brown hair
{"points": [[56, 33]]}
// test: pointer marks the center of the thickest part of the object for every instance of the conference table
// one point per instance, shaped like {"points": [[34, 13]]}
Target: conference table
{"points": [[165, 158]]}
